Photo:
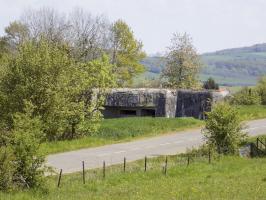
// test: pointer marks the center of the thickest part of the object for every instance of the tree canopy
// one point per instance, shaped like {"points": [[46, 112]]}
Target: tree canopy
{"points": [[182, 63]]}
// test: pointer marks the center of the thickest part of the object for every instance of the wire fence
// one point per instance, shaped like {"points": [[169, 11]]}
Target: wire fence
{"points": [[159, 164]]}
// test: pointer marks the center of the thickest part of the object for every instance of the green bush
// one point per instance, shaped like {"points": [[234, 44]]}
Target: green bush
{"points": [[6, 168], [20, 162], [223, 128], [261, 88], [246, 96]]}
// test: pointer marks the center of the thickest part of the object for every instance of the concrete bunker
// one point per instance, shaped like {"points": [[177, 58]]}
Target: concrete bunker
{"points": [[129, 102]]}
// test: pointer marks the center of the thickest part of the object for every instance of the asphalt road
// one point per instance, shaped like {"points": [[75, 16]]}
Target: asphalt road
{"points": [[114, 154]]}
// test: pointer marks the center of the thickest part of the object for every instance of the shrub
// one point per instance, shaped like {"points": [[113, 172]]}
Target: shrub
{"points": [[210, 84], [261, 88], [6, 167], [20, 162], [223, 128], [246, 96]]}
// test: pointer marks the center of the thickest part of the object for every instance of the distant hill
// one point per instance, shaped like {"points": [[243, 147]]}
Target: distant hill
{"points": [[237, 66]]}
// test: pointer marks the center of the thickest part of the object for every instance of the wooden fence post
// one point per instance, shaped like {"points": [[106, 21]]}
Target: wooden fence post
{"points": [[165, 166], [145, 164], [209, 155], [59, 178], [103, 169], [83, 172], [124, 164], [188, 160]]}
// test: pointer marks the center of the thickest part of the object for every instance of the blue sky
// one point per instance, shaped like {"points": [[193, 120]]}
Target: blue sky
{"points": [[213, 24]]}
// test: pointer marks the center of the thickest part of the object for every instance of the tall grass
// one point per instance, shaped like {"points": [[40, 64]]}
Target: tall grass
{"points": [[252, 112], [121, 130], [230, 178]]}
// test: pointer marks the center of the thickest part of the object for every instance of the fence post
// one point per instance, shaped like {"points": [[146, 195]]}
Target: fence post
{"points": [[257, 143], [59, 178], [83, 172], [145, 164], [124, 164], [188, 160], [103, 169], [209, 155], [165, 166]]}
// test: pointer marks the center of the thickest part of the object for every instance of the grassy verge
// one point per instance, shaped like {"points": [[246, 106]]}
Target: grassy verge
{"points": [[122, 130], [252, 112], [128, 129], [230, 178]]}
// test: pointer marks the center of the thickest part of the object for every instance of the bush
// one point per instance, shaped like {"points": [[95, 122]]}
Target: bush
{"points": [[246, 96], [210, 84], [223, 128], [6, 168], [20, 162], [261, 88]]}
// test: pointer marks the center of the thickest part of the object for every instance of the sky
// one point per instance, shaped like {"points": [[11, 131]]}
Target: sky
{"points": [[213, 24]]}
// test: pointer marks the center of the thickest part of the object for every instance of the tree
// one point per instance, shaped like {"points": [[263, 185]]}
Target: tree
{"points": [[182, 63], [87, 36], [223, 128], [210, 84], [59, 88], [126, 53]]}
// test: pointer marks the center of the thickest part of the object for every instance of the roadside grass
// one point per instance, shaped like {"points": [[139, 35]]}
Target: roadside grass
{"points": [[252, 112], [227, 178], [128, 129], [123, 130]]}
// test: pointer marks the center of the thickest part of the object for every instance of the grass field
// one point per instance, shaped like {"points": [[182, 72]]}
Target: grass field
{"points": [[230, 178], [252, 112], [122, 130]]}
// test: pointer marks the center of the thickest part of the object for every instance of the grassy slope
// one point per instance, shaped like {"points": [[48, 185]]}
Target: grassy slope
{"points": [[128, 129], [252, 112], [230, 178], [123, 129]]}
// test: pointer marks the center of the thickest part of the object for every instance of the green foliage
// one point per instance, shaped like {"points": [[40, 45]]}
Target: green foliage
{"points": [[61, 90], [20, 161], [126, 53], [246, 96], [261, 87], [182, 64], [6, 167], [210, 84], [223, 128]]}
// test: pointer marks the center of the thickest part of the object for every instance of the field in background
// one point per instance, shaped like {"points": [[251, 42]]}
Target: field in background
{"points": [[123, 130], [227, 178]]}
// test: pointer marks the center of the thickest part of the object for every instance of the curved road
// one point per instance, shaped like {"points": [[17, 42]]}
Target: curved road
{"points": [[114, 154]]}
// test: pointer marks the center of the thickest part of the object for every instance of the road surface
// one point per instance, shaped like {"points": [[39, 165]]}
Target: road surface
{"points": [[114, 154]]}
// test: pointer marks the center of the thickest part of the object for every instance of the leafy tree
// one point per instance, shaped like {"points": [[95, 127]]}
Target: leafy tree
{"points": [[60, 89], [210, 84], [246, 96], [126, 53], [223, 128], [182, 63]]}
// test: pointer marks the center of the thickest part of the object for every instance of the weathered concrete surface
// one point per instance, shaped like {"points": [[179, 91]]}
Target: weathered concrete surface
{"points": [[157, 103]]}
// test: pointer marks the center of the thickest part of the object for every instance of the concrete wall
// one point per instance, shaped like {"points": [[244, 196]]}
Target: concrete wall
{"points": [[156, 102]]}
